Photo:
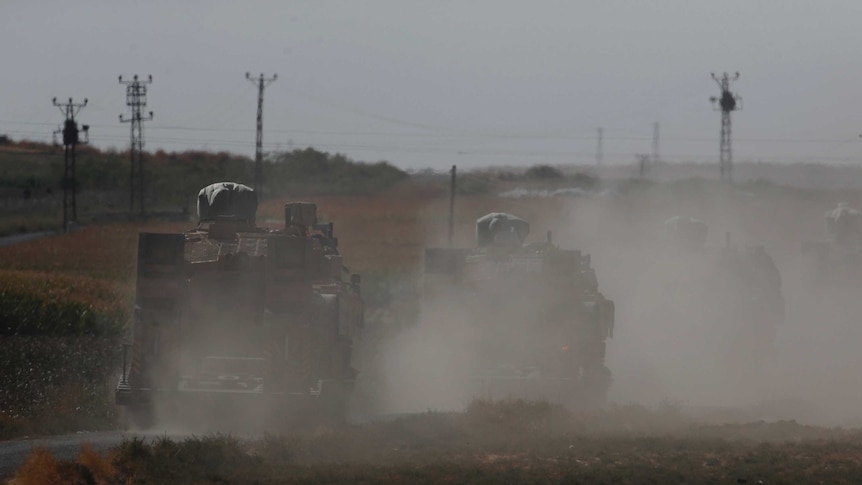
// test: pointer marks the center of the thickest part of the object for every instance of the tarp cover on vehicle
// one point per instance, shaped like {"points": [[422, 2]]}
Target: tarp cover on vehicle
{"points": [[501, 228], [843, 224], [227, 199]]}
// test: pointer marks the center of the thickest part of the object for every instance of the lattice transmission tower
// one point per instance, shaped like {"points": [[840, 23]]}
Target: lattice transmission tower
{"points": [[136, 100], [71, 139], [726, 103], [261, 82]]}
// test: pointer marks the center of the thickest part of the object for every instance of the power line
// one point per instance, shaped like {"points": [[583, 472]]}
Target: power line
{"points": [[262, 83], [71, 139], [136, 98], [562, 155], [680, 138]]}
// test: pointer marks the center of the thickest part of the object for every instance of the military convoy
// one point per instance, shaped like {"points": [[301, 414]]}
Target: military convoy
{"points": [[539, 321], [231, 316], [231, 313]]}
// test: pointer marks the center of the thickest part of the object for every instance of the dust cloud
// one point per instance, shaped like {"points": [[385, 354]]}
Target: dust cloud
{"points": [[678, 336], [468, 346], [681, 333]]}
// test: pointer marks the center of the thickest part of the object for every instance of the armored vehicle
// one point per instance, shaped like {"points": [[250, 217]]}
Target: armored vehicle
{"points": [[838, 258], [239, 324], [538, 321], [730, 296]]}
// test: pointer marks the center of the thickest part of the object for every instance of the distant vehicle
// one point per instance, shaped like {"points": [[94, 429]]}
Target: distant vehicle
{"points": [[733, 294], [838, 258], [237, 324], [539, 322]]}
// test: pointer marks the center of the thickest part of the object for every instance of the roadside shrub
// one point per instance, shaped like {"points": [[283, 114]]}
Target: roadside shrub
{"points": [[211, 459], [42, 468], [546, 172]]}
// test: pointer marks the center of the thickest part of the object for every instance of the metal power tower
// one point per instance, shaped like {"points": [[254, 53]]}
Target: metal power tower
{"points": [[71, 138], [726, 103], [655, 157], [136, 99], [261, 83]]}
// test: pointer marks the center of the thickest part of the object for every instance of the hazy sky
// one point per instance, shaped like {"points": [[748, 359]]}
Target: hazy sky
{"points": [[432, 83]]}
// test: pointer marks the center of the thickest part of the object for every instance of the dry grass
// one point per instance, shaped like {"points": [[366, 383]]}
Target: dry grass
{"points": [[42, 468], [101, 467], [491, 442], [104, 252]]}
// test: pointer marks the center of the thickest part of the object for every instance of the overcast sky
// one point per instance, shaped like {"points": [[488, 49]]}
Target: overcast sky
{"points": [[432, 83]]}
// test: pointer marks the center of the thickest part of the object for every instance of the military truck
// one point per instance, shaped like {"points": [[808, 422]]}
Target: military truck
{"points": [[238, 324], [540, 323]]}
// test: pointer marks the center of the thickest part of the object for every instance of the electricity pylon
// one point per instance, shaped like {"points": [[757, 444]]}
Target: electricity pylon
{"points": [[727, 103], [71, 139], [136, 99]]}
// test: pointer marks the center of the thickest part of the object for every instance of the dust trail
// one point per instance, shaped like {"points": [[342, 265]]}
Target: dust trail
{"points": [[668, 341], [678, 335]]}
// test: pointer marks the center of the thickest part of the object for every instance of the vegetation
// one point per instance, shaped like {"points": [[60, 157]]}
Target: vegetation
{"points": [[490, 442], [60, 340], [64, 303], [31, 179], [53, 384], [309, 171], [543, 172], [34, 304]]}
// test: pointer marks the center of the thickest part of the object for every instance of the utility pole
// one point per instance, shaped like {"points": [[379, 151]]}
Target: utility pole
{"points": [[136, 99], [71, 139], [655, 139], [261, 82], [726, 103], [599, 152], [452, 203]]}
